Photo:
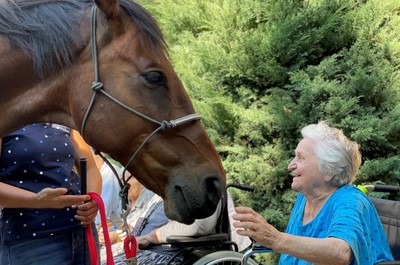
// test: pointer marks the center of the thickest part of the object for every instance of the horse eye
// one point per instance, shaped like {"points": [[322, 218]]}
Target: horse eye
{"points": [[154, 78]]}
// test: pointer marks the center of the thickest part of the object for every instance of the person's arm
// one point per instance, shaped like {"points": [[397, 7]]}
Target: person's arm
{"points": [[82, 149], [86, 213], [314, 250], [199, 227], [14, 197], [330, 250]]}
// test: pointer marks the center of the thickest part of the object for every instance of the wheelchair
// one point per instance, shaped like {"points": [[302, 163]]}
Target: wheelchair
{"points": [[388, 211], [217, 248]]}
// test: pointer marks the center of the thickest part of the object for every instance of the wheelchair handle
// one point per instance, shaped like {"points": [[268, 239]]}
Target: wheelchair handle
{"points": [[240, 187], [386, 188]]}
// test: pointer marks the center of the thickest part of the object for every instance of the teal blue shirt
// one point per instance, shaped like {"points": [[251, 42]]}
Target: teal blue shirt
{"points": [[349, 215]]}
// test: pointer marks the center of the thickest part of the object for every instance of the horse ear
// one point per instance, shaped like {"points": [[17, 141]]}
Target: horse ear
{"points": [[109, 7]]}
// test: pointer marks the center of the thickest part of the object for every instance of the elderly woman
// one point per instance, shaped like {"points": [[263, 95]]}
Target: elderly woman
{"points": [[332, 222]]}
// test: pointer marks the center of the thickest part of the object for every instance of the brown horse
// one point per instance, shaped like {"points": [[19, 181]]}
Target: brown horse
{"points": [[107, 75]]}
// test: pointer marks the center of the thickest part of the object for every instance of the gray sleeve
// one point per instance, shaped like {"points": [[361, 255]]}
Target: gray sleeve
{"points": [[199, 227]]}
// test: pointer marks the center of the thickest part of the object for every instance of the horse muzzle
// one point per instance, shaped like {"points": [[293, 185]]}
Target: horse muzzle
{"points": [[189, 199]]}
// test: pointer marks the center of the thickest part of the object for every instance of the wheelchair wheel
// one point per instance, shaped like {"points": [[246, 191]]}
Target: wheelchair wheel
{"points": [[223, 258]]}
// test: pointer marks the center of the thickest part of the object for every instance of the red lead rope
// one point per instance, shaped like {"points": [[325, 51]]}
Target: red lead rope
{"points": [[91, 242], [130, 246]]}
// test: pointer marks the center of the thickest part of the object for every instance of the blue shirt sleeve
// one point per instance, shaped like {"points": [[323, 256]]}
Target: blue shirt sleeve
{"points": [[355, 220]]}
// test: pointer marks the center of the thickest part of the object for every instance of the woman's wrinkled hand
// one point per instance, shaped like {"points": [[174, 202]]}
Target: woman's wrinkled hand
{"points": [[253, 225]]}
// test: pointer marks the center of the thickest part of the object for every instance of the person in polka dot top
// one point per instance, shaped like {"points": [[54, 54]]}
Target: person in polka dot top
{"points": [[40, 192], [332, 221]]}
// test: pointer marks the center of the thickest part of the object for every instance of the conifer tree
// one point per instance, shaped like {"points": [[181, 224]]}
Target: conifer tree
{"points": [[258, 71]]}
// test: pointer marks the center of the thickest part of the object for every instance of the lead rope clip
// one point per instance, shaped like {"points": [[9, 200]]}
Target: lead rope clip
{"points": [[131, 261]]}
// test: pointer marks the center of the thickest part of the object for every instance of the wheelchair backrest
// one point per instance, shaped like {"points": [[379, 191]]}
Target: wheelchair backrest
{"points": [[389, 213]]}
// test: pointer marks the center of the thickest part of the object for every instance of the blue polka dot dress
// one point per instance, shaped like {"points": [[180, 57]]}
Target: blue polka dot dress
{"points": [[349, 215], [35, 157]]}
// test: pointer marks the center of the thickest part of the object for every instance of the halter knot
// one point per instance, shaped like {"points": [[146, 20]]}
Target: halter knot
{"points": [[165, 125], [124, 191], [123, 194], [97, 86]]}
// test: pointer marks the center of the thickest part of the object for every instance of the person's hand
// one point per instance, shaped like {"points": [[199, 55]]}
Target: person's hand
{"points": [[121, 234], [86, 212], [143, 241], [56, 198], [114, 237], [253, 225]]}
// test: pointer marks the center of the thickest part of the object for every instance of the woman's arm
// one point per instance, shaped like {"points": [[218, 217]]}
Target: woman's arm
{"points": [[82, 149], [330, 250], [13, 197], [199, 227], [86, 213], [315, 250]]}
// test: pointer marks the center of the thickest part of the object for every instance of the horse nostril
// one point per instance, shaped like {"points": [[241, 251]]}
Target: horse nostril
{"points": [[213, 189]]}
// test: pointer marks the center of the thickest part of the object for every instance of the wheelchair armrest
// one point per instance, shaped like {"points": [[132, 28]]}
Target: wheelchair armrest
{"points": [[257, 248], [396, 262], [220, 237]]}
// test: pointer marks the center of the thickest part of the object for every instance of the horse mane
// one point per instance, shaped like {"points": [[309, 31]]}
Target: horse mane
{"points": [[48, 30]]}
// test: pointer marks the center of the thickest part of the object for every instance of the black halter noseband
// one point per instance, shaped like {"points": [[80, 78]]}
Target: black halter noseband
{"points": [[97, 87]]}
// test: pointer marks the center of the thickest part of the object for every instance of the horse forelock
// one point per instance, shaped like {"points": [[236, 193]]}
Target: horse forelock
{"points": [[48, 31], [147, 24]]}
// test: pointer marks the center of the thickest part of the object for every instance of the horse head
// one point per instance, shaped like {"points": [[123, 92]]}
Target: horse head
{"points": [[177, 162], [120, 90]]}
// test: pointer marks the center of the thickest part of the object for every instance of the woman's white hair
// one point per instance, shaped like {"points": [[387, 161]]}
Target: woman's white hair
{"points": [[338, 157]]}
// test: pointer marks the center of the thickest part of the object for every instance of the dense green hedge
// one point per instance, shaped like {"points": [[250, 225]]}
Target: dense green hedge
{"points": [[258, 71]]}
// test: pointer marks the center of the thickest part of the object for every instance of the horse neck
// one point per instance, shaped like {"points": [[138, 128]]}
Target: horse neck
{"points": [[24, 97]]}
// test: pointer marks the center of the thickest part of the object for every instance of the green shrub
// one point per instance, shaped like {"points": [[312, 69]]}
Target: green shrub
{"points": [[258, 71]]}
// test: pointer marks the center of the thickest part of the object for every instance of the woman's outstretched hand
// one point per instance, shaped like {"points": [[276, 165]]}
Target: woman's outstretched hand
{"points": [[253, 225]]}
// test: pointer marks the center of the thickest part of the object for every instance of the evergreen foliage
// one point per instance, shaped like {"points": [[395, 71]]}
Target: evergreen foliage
{"points": [[260, 70]]}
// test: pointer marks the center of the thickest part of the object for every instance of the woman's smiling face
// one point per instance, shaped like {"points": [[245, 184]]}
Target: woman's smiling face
{"points": [[305, 168]]}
